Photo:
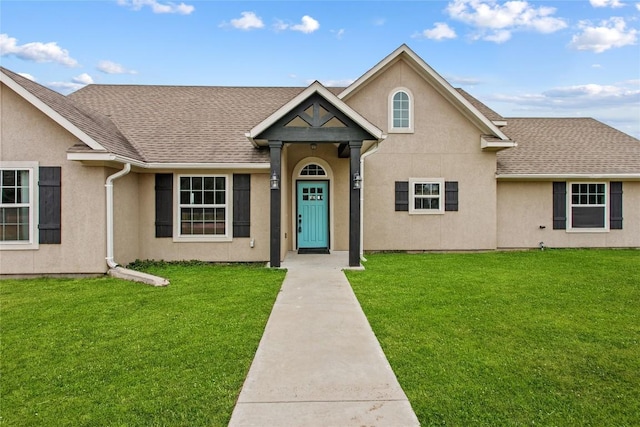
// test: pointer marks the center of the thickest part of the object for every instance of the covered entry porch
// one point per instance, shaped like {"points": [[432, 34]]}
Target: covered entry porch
{"points": [[315, 132]]}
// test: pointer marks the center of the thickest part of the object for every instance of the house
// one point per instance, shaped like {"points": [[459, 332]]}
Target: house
{"points": [[399, 160]]}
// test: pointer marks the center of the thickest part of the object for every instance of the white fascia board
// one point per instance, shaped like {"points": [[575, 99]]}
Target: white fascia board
{"points": [[437, 81], [496, 145], [50, 112], [324, 92], [567, 176], [252, 166], [109, 157]]}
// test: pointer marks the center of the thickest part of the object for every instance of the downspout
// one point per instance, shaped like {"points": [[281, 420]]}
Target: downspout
{"points": [[114, 269], [109, 186], [362, 158]]}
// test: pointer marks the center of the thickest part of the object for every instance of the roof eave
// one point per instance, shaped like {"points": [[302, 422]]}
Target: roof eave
{"points": [[496, 145], [566, 176], [105, 157], [50, 112]]}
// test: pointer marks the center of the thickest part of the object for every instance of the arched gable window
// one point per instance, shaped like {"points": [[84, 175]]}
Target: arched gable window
{"points": [[401, 111], [313, 169]]}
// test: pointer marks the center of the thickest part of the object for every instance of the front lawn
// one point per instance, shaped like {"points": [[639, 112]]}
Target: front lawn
{"points": [[108, 352], [510, 338]]}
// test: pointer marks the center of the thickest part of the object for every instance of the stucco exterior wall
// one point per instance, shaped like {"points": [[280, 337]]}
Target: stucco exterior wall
{"points": [[125, 218], [236, 250], [26, 134], [525, 206], [444, 144]]}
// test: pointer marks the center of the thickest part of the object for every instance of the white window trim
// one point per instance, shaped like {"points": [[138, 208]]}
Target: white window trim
{"points": [[393, 129], [227, 237], [33, 243], [570, 205], [412, 209]]}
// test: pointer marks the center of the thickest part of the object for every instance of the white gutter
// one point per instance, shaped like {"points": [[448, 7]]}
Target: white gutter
{"points": [[550, 176], [364, 156], [114, 269]]}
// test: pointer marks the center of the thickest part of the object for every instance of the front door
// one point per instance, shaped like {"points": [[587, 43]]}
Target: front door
{"points": [[313, 215]]}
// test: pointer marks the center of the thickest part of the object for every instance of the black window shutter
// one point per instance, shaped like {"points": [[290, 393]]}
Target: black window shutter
{"points": [[49, 205], [615, 205], [402, 196], [241, 205], [451, 196], [164, 205], [559, 205]]}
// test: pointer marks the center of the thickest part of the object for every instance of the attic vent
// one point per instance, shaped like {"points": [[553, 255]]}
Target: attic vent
{"points": [[313, 170]]}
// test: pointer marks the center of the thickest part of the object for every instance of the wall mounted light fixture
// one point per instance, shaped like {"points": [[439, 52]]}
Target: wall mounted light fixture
{"points": [[357, 181], [275, 181]]}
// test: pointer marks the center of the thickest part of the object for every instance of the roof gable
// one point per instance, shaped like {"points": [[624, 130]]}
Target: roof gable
{"points": [[313, 93], [96, 132], [460, 102]]}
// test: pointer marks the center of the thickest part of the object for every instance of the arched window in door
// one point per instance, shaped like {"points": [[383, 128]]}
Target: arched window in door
{"points": [[313, 169]]}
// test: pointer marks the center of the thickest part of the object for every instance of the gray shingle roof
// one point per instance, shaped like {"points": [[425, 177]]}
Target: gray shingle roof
{"points": [[98, 127], [196, 124], [486, 111], [567, 146], [188, 124]]}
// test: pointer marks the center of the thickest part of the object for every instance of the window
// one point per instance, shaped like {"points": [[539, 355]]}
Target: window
{"points": [[426, 196], [588, 204], [203, 206], [17, 206], [401, 106], [313, 170]]}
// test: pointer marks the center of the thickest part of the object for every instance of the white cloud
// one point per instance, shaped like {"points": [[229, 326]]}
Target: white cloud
{"points": [[110, 67], [582, 97], [440, 31], [614, 94], [84, 79], [615, 104], [457, 80], [157, 7], [27, 76], [249, 21], [339, 33], [499, 36], [36, 51], [307, 25], [76, 83], [606, 3], [496, 21], [609, 34], [337, 83], [638, 6]]}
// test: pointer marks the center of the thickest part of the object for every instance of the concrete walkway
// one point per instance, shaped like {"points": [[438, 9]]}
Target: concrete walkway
{"points": [[319, 363]]}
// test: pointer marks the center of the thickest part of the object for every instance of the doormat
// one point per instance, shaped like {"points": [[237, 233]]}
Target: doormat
{"points": [[305, 251]]}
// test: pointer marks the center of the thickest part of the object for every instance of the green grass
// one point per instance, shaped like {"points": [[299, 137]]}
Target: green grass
{"points": [[102, 351], [510, 338]]}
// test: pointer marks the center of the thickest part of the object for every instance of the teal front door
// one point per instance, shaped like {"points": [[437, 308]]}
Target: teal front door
{"points": [[313, 214]]}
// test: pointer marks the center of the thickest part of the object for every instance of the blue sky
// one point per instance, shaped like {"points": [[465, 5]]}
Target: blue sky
{"points": [[523, 59]]}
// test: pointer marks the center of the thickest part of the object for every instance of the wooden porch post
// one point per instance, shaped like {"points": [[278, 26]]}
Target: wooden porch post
{"points": [[275, 151], [354, 204]]}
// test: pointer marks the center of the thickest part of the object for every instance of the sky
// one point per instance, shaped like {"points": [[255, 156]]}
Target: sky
{"points": [[574, 58]]}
